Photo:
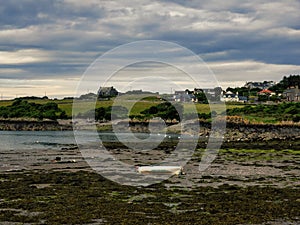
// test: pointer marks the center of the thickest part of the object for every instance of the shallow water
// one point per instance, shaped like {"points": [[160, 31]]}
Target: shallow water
{"points": [[252, 182], [30, 149], [22, 140]]}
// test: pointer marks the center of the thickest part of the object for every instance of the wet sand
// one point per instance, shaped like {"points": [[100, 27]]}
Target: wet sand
{"points": [[242, 167], [242, 186]]}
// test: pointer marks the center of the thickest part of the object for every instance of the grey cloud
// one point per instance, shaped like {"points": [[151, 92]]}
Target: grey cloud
{"points": [[80, 31], [18, 14], [43, 70]]}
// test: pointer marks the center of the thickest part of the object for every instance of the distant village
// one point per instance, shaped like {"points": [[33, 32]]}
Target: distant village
{"points": [[251, 92]]}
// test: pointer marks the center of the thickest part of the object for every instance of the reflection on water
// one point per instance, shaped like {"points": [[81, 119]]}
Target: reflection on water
{"points": [[22, 140], [28, 149], [111, 137]]}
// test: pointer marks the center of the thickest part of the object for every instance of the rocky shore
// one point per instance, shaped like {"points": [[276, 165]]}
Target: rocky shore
{"points": [[34, 125], [253, 180], [235, 132], [241, 186], [261, 134]]}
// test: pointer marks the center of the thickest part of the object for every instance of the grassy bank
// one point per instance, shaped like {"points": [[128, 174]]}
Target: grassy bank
{"points": [[67, 104], [255, 114]]}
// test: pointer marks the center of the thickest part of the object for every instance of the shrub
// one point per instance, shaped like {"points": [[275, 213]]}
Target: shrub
{"points": [[22, 108]]}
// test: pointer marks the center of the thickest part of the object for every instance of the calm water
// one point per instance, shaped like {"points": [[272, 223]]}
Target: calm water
{"points": [[16, 140], [28, 150], [22, 140]]}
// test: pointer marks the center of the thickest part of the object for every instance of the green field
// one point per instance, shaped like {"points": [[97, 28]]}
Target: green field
{"points": [[136, 108]]}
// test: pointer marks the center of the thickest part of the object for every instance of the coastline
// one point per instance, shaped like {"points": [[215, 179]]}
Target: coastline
{"points": [[235, 131], [240, 187], [34, 125], [253, 180]]}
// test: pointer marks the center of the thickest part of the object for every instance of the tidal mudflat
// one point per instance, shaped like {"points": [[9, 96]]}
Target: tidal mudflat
{"points": [[244, 185]]}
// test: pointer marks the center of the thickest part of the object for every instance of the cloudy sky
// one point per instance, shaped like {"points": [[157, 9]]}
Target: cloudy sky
{"points": [[46, 46]]}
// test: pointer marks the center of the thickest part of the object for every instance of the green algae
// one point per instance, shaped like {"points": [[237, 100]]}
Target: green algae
{"points": [[241, 155], [83, 197]]}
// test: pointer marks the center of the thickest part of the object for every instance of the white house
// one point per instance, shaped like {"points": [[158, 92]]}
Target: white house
{"points": [[231, 97]]}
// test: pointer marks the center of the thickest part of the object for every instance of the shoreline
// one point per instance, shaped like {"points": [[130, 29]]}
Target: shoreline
{"points": [[67, 124], [240, 187], [252, 181], [34, 125], [264, 135]]}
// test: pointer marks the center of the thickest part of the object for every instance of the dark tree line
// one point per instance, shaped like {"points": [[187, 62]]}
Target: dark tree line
{"points": [[280, 87], [286, 82], [105, 113], [165, 110], [244, 91], [21, 108]]}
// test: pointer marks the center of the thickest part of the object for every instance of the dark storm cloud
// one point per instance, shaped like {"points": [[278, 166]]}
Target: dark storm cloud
{"points": [[69, 34]]}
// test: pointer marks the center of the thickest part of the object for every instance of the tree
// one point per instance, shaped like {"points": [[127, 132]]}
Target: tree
{"points": [[22, 108], [201, 98], [165, 110], [286, 82]]}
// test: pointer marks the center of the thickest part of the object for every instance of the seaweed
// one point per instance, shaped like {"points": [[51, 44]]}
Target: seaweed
{"points": [[84, 197]]}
